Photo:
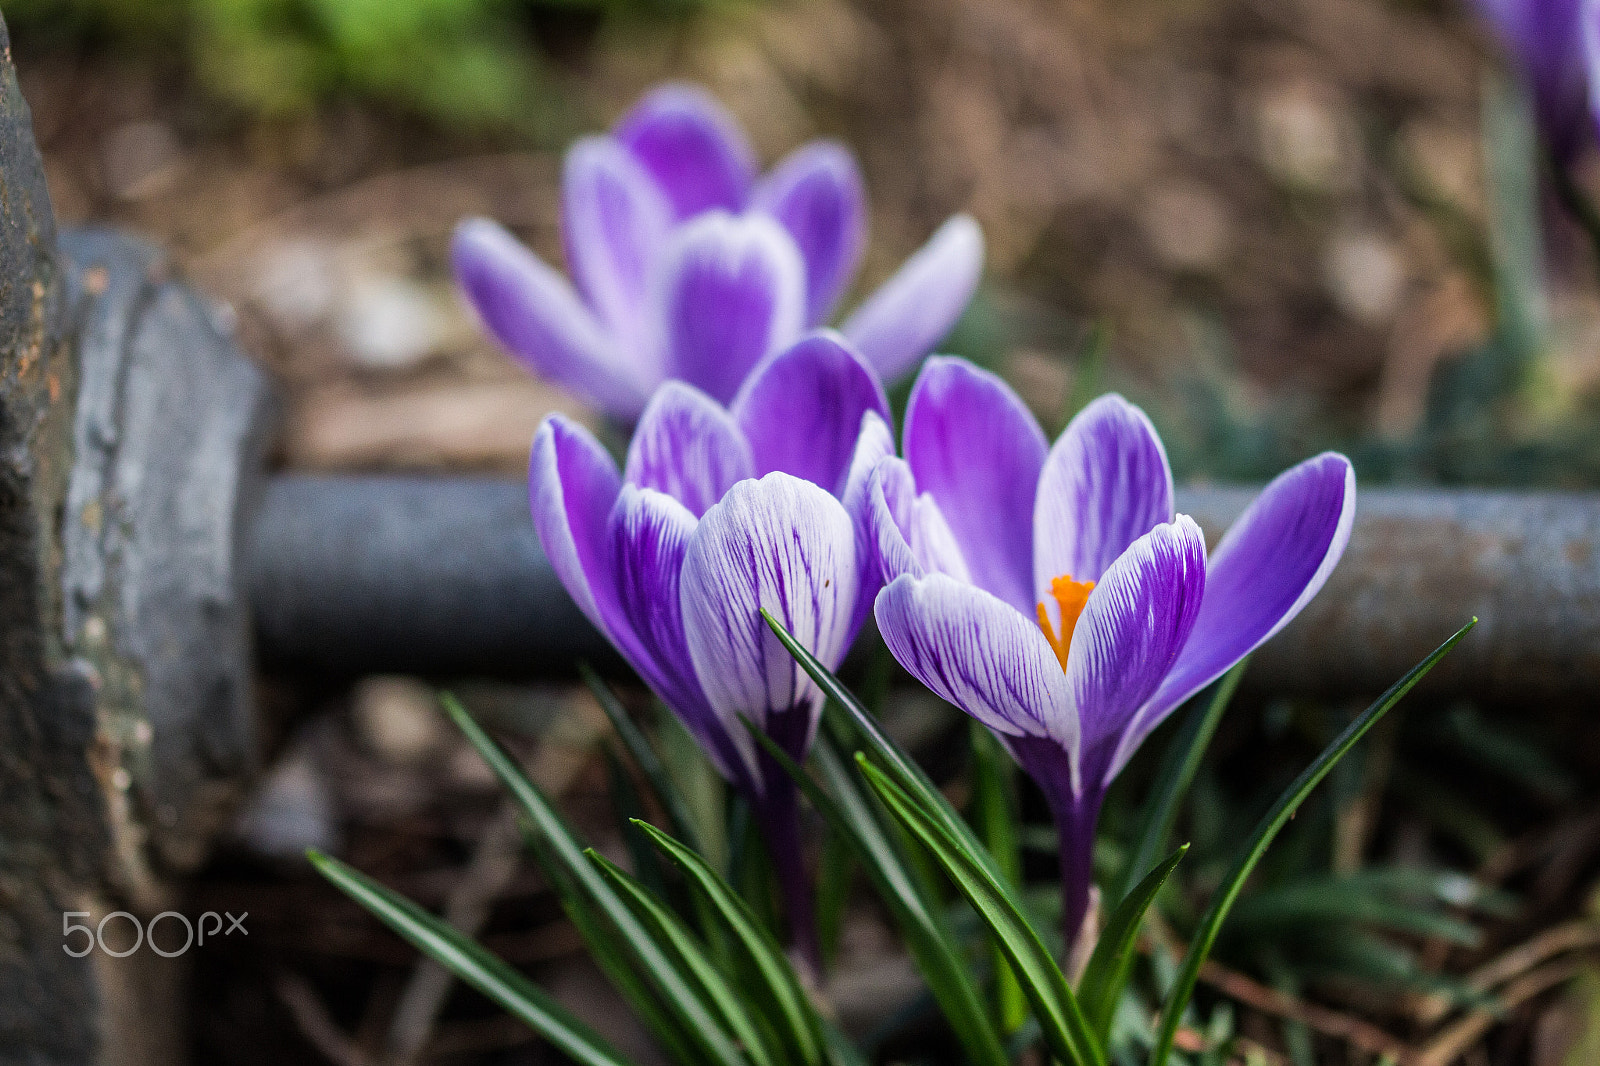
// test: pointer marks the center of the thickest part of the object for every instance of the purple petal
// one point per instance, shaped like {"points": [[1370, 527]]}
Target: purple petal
{"points": [[692, 147], [912, 311], [907, 532], [1266, 569], [614, 220], [977, 451], [1105, 484], [979, 654], [532, 311], [802, 409], [733, 292], [874, 443], [816, 193], [1131, 631], [1546, 42], [572, 485], [689, 447], [648, 534], [785, 545]]}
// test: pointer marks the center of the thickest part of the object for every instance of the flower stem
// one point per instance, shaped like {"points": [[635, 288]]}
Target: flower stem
{"points": [[1076, 817], [777, 816]]}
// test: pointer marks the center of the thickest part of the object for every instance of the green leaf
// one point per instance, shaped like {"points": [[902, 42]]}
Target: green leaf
{"points": [[563, 855], [1223, 899], [783, 995], [616, 962], [473, 964], [1319, 902], [644, 757], [994, 810], [1107, 973], [851, 815], [1178, 766], [674, 936], [1066, 1031], [835, 879], [901, 768]]}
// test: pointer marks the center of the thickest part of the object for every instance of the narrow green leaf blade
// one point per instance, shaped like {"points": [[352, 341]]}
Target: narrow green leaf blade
{"points": [[900, 766], [798, 1024], [1109, 966], [675, 936], [1178, 766], [1066, 1031], [563, 853], [644, 756], [994, 811], [616, 962], [1223, 899], [850, 815], [473, 964]]}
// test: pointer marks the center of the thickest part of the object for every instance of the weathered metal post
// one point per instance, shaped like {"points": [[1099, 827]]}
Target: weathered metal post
{"points": [[130, 431]]}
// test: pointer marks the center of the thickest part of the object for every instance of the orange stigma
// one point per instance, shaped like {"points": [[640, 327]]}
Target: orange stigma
{"points": [[1070, 596]]}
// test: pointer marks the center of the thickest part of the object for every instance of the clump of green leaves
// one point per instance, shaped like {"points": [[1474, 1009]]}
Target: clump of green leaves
{"points": [[706, 976]]}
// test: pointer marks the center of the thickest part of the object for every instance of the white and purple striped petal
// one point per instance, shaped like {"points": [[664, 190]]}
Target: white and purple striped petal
{"points": [[974, 448], [1269, 565], [816, 192], [1105, 484], [980, 654], [785, 545], [732, 291], [649, 533], [572, 486], [614, 222], [536, 316], [907, 531], [874, 443], [801, 409], [912, 311], [1132, 629], [688, 446], [692, 147]]}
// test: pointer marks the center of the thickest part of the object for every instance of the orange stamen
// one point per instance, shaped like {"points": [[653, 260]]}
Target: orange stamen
{"points": [[1070, 596]]}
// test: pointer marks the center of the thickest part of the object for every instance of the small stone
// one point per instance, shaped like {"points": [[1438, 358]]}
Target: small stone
{"points": [[140, 160], [397, 719], [1187, 226], [1366, 276], [296, 282], [1302, 140], [392, 323], [292, 810]]}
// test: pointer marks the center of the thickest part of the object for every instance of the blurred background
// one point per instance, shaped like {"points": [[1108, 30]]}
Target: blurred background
{"points": [[1280, 225]]}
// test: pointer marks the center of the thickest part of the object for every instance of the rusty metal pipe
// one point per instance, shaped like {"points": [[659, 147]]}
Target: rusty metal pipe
{"points": [[350, 575]]}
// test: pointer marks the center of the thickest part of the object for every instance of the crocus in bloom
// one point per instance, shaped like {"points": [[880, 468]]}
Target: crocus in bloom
{"points": [[686, 264], [1051, 592], [717, 513], [1545, 39]]}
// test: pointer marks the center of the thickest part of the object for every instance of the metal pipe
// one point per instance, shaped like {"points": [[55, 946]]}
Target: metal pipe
{"points": [[445, 576], [424, 575]]}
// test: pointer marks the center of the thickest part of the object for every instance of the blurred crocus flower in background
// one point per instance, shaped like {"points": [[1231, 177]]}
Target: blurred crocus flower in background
{"points": [[1052, 593], [1546, 43], [674, 556], [687, 264]]}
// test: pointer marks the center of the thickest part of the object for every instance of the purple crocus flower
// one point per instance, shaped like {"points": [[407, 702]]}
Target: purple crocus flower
{"points": [[673, 556], [1545, 39], [689, 265], [1052, 593]]}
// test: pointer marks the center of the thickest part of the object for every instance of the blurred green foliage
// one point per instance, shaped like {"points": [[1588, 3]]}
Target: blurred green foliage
{"points": [[468, 62]]}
